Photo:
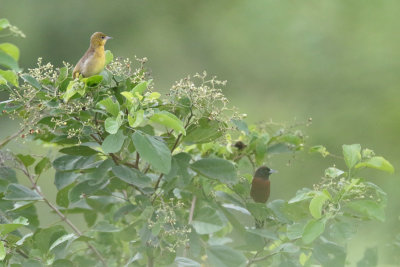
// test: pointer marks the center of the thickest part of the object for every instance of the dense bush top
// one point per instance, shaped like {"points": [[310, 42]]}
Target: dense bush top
{"points": [[162, 180]]}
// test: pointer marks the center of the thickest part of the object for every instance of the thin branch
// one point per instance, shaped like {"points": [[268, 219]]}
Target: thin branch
{"points": [[8, 139], [60, 214], [137, 160], [191, 213], [261, 258]]}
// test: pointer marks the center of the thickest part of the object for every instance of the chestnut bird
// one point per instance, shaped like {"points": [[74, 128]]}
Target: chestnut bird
{"points": [[260, 187]]}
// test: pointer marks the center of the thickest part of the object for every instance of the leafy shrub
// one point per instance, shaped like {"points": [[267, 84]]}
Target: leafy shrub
{"points": [[163, 180]]}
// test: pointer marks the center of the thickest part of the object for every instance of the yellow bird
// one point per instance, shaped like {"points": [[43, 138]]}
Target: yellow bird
{"points": [[93, 61]]}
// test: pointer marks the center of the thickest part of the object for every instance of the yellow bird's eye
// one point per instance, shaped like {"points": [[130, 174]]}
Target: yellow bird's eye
{"points": [[102, 37]]}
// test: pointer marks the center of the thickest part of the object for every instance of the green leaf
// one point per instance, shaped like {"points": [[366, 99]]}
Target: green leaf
{"points": [[207, 221], [32, 81], [153, 151], [92, 81], [113, 142], [223, 256], [20, 192], [186, 262], [10, 49], [8, 174], [203, 132], [42, 165], [62, 75], [2, 81], [140, 88], [216, 168], [73, 88], [301, 195], [137, 119], [43, 238], [2, 251], [79, 151], [10, 76], [109, 57], [131, 176], [110, 106], [62, 179], [70, 162], [368, 208], [112, 125], [62, 239], [62, 198], [8, 61], [313, 230], [4, 24], [84, 188], [378, 163], [27, 160], [333, 172], [10, 227], [169, 120], [352, 154], [317, 203]]}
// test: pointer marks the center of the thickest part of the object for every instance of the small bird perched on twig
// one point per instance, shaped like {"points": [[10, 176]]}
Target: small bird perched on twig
{"points": [[93, 61], [261, 187]]}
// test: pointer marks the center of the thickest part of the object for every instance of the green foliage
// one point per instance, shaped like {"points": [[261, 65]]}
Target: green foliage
{"points": [[165, 180]]}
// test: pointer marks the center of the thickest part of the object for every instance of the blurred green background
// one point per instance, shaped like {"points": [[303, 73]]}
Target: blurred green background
{"points": [[336, 62]]}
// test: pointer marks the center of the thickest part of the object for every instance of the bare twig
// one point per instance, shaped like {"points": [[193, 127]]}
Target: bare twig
{"points": [[191, 213], [137, 160], [260, 258], [11, 137]]}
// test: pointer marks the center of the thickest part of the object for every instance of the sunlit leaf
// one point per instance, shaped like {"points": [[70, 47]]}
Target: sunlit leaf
{"points": [[378, 163], [169, 120], [109, 57], [10, 76], [316, 205], [8, 61], [110, 106], [352, 154], [10, 49], [140, 88], [2, 251]]}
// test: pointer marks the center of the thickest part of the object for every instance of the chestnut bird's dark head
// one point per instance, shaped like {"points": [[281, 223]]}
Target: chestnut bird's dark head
{"points": [[264, 172]]}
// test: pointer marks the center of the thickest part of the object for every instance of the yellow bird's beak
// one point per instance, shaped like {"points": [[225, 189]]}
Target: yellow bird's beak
{"points": [[108, 37]]}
